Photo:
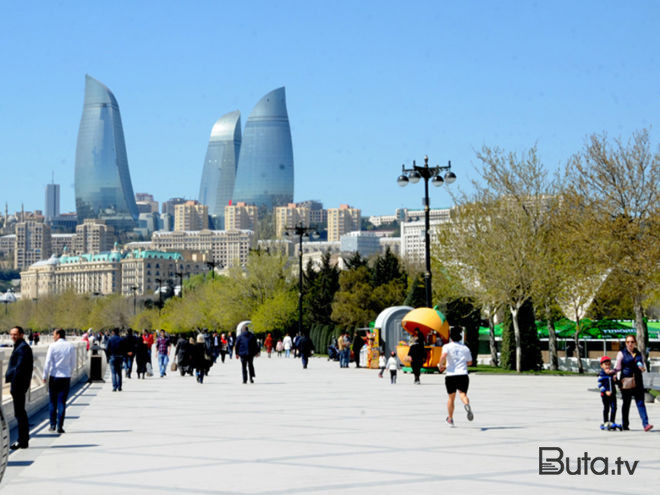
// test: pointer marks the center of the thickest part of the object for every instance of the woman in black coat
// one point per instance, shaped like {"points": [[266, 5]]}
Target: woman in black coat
{"points": [[141, 358], [200, 358]]}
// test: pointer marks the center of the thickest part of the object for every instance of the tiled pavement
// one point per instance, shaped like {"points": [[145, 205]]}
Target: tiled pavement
{"points": [[329, 430]]}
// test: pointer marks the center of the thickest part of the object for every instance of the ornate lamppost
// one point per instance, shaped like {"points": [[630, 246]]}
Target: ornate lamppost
{"points": [[413, 175]]}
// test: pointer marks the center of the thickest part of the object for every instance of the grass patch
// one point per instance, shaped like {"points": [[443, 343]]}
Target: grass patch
{"points": [[486, 369]]}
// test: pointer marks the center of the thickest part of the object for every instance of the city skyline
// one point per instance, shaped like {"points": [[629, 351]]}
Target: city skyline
{"points": [[367, 91]]}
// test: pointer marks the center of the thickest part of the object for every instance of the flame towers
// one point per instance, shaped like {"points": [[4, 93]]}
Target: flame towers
{"points": [[102, 181], [263, 169], [217, 186]]}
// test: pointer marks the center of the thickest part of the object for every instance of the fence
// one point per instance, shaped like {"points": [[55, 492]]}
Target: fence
{"points": [[37, 396]]}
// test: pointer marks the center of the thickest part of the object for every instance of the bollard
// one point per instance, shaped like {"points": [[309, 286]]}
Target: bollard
{"points": [[96, 365], [4, 448]]}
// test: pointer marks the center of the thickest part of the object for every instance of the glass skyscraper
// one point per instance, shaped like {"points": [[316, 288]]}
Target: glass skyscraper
{"points": [[102, 181], [264, 176], [217, 186]]}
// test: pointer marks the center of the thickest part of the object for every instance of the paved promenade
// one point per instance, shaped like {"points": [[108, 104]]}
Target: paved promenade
{"points": [[329, 430]]}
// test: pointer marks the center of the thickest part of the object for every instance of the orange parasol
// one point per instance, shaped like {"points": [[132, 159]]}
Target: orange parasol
{"points": [[427, 320]]}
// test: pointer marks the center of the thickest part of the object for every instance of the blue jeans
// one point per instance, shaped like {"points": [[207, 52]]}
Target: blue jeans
{"points": [[128, 365], [638, 395], [58, 393], [287, 352], [344, 358], [163, 359], [116, 363]]}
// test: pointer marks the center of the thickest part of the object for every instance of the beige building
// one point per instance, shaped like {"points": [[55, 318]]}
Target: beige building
{"points": [[147, 270], [342, 220], [224, 247], [289, 216], [32, 243], [98, 273], [191, 215], [93, 236], [108, 273], [241, 216]]}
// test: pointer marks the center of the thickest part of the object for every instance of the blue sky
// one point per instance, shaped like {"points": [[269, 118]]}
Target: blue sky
{"points": [[370, 85]]}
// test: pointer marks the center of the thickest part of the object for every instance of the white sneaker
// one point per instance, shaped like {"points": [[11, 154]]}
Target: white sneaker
{"points": [[450, 421]]}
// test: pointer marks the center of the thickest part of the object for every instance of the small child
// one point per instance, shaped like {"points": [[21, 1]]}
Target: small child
{"points": [[606, 382], [279, 347], [393, 365]]}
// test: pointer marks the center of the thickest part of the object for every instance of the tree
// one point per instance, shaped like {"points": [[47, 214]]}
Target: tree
{"points": [[416, 296], [619, 184], [495, 239], [352, 305], [279, 312], [320, 289]]}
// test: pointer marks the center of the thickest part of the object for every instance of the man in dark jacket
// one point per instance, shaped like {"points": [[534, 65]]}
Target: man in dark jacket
{"points": [[19, 374], [246, 349], [306, 349], [115, 352]]}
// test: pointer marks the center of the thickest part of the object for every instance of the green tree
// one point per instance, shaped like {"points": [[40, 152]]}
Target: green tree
{"points": [[320, 289], [619, 184], [352, 305]]}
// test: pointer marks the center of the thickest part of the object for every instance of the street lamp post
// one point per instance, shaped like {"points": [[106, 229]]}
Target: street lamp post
{"points": [[160, 293], [134, 288], [413, 175], [301, 231], [9, 297], [212, 265], [180, 275]]}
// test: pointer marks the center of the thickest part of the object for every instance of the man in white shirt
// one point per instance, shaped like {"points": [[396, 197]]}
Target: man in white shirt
{"points": [[58, 368], [457, 358]]}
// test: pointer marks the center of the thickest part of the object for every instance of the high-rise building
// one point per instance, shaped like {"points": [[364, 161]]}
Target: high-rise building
{"points": [[318, 217], [289, 216], [52, 209], [32, 243], [61, 243], [219, 174], [342, 220], [241, 216], [102, 180], [145, 203], [264, 176], [93, 236], [191, 216], [169, 205]]}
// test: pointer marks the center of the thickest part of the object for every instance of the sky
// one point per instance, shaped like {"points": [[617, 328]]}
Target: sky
{"points": [[370, 86]]}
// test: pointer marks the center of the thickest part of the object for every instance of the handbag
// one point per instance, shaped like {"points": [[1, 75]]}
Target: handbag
{"points": [[173, 367], [628, 383]]}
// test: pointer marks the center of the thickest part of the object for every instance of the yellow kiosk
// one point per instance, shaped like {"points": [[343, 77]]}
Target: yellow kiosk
{"points": [[435, 328]]}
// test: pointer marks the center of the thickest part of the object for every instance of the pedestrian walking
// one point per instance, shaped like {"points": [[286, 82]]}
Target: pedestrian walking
{"points": [[246, 349], [288, 343], [201, 361], [131, 343], [163, 346], [115, 352], [417, 355], [455, 359], [141, 358], [279, 348], [58, 368], [393, 365], [19, 375], [268, 344], [630, 363], [306, 347]]}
